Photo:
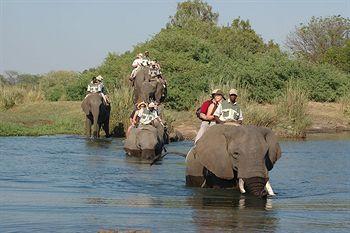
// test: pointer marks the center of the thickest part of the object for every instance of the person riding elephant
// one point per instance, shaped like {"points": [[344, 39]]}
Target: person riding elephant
{"points": [[97, 114], [229, 111], [154, 86], [227, 155], [146, 141], [147, 87]]}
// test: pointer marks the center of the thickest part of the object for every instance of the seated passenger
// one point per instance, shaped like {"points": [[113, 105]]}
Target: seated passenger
{"points": [[156, 74], [102, 89], [93, 87], [229, 111], [207, 110], [146, 116], [136, 64], [133, 117]]}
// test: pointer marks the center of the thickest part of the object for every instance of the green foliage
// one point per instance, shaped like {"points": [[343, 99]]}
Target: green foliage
{"points": [[55, 84], [339, 56], [193, 10]]}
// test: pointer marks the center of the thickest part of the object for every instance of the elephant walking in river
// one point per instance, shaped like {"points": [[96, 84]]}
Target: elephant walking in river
{"points": [[147, 88], [97, 115], [146, 141], [228, 156]]}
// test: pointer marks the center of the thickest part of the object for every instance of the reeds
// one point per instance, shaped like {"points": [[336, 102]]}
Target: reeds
{"points": [[121, 108], [15, 95], [291, 110]]}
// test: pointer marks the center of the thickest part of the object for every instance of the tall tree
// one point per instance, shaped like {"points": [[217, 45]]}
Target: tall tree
{"points": [[313, 39], [193, 10]]}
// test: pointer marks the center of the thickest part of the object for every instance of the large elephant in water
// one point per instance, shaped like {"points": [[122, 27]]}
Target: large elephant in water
{"points": [[147, 141], [97, 114], [146, 88], [227, 156]]}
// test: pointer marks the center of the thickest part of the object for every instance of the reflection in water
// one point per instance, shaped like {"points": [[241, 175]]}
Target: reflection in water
{"points": [[73, 184], [228, 210]]}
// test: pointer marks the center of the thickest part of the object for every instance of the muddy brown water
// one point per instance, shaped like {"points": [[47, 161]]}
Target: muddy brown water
{"points": [[70, 184]]}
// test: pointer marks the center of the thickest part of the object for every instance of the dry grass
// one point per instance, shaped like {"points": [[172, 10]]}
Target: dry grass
{"points": [[14, 95], [291, 110]]}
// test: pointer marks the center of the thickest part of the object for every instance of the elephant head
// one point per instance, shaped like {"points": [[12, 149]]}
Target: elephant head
{"points": [[228, 155], [146, 141]]}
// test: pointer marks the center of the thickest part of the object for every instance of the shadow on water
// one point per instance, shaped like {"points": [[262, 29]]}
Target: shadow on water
{"points": [[98, 143], [228, 210]]}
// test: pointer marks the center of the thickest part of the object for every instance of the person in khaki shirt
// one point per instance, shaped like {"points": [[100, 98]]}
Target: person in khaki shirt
{"points": [[229, 111]]}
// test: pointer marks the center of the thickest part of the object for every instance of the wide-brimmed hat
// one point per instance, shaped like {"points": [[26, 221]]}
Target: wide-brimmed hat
{"points": [[99, 78], [141, 103], [217, 92], [233, 92], [139, 55], [151, 105]]}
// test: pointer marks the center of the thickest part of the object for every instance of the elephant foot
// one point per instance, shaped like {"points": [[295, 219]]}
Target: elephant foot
{"points": [[194, 181]]}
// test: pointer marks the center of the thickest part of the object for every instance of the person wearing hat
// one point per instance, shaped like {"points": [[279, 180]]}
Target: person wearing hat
{"points": [[207, 110], [146, 116], [102, 90], [94, 86], [136, 64], [133, 116], [229, 111]]}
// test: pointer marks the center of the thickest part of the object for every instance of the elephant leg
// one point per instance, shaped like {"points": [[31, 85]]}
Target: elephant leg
{"points": [[136, 95], [88, 126], [105, 127], [159, 92]]}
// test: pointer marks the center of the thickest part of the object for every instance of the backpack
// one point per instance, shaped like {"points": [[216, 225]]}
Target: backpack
{"points": [[198, 110]]}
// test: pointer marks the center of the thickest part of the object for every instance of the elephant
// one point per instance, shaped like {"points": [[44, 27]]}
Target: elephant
{"points": [[146, 141], [227, 156], [97, 114], [146, 88]]}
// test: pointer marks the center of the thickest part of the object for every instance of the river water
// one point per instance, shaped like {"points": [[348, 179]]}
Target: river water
{"points": [[70, 184]]}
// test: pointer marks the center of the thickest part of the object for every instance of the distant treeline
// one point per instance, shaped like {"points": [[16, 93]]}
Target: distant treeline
{"points": [[195, 53]]}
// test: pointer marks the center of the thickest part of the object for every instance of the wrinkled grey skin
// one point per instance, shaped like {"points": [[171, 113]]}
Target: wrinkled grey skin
{"points": [[97, 115], [226, 153], [146, 142], [144, 89]]}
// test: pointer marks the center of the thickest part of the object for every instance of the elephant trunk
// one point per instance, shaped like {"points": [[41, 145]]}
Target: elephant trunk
{"points": [[255, 186]]}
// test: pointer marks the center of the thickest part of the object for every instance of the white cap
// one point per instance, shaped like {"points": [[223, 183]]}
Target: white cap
{"points": [[233, 92]]}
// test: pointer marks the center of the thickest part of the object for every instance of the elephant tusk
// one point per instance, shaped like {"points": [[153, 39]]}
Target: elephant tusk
{"points": [[241, 185], [269, 189]]}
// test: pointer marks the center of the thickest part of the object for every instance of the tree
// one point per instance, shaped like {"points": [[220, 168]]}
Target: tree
{"points": [[312, 40], [339, 56], [193, 10]]}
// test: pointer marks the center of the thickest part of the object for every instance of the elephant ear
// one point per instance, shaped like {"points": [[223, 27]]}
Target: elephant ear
{"points": [[211, 150], [274, 150], [85, 106]]}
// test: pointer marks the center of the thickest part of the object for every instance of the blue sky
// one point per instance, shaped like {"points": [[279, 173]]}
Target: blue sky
{"points": [[38, 36]]}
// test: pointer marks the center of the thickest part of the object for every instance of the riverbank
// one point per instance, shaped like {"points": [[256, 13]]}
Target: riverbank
{"points": [[66, 117]]}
